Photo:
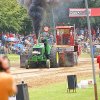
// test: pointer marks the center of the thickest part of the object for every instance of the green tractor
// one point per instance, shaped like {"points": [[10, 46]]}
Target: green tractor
{"points": [[43, 55], [64, 53]]}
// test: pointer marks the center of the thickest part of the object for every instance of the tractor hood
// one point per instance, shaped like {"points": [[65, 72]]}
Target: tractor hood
{"points": [[38, 49], [40, 45]]}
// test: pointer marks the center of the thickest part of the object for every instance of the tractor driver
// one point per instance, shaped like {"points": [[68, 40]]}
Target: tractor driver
{"points": [[45, 45]]}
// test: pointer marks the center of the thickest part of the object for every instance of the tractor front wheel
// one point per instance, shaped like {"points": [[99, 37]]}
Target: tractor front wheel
{"points": [[48, 63], [27, 65]]}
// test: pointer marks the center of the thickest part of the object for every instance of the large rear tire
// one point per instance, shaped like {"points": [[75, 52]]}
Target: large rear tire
{"points": [[54, 58]]}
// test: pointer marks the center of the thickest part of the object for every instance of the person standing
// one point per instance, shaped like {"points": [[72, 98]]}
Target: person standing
{"points": [[7, 84], [98, 32], [98, 61]]}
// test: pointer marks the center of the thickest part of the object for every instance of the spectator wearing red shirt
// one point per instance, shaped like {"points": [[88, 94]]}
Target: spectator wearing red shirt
{"points": [[11, 35], [98, 61]]}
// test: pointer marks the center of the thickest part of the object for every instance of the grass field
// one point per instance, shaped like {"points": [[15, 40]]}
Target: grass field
{"points": [[85, 55], [59, 92], [13, 58]]}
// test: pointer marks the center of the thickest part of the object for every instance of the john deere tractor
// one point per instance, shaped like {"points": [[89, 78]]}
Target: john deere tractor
{"points": [[64, 53], [43, 55]]}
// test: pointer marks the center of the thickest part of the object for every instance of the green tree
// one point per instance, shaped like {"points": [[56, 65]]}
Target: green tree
{"points": [[12, 16]]}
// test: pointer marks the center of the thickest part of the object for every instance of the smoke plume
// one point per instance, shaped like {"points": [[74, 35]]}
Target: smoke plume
{"points": [[36, 12]]}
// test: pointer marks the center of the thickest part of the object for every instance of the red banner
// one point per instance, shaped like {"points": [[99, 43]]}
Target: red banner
{"points": [[81, 12], [95, 11]]}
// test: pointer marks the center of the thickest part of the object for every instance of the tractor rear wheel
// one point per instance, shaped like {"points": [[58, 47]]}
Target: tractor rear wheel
{"points": [[54, 58]]}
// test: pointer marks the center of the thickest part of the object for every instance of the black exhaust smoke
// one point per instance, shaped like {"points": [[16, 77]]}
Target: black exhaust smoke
{"points": [[36, 12], [36, 9]]}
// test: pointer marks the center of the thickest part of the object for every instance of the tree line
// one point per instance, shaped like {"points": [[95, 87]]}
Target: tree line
{"points": [[14, 18]]}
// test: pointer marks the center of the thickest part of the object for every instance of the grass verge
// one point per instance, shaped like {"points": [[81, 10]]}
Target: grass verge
{"points": [[85, 55], [13, 57], [59, 92]]}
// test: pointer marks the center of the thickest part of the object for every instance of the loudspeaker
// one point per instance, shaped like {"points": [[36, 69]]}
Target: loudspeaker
{"points": [[72, 82], [22, 92]]}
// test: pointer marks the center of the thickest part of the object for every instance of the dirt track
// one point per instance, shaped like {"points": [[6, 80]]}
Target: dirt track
{"points": [[44, 76]]}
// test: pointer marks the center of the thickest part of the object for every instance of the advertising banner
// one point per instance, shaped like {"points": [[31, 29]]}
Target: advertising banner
{"points": [[81, 12]]}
